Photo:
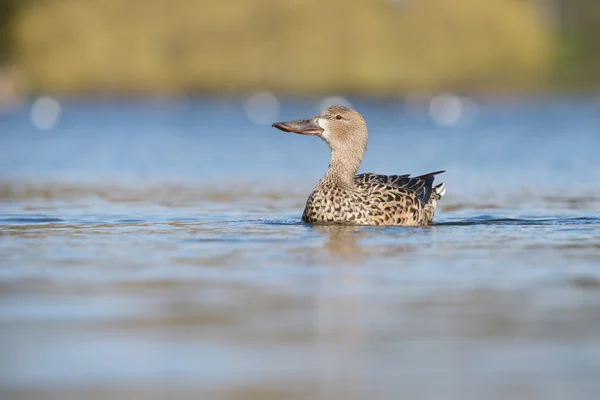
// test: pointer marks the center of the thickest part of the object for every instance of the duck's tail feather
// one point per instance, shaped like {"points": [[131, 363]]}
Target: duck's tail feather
{"points": [[437, 193], [427, 184], [429, 175]]}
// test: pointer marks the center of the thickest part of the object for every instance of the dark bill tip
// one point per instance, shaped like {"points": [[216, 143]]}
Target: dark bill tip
{"points": [[281, 126], [301, 126]]}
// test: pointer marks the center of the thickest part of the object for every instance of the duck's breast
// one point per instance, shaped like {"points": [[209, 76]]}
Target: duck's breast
{"points": [[337, 205]]}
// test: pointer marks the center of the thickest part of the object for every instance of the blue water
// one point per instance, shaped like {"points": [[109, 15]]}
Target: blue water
{"points": [[156, 247]]}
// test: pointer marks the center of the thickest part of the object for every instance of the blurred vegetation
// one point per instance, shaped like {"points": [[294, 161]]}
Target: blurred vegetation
{"points": [[577, 56], [8, 9], [296, 46]]}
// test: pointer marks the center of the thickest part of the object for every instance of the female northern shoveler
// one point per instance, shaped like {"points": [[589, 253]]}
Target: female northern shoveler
{"points": [[367, 199]]}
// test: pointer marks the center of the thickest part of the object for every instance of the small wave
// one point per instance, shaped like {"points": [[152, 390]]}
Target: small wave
{"points": [[491, 220], [30, 220], [283, 222]]}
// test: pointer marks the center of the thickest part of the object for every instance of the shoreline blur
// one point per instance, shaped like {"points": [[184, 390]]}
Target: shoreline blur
{"points": [[382, 48]]}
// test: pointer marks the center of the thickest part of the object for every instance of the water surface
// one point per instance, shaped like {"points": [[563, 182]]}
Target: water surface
{"points": [[153, 249]]}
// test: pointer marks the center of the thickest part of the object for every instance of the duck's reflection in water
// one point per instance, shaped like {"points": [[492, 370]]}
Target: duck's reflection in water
{"points": [[347, 243], [343, 241], [342, 304], [341, 321]]}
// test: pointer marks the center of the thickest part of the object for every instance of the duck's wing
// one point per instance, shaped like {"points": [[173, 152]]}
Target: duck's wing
{"points": [[420, 185]]}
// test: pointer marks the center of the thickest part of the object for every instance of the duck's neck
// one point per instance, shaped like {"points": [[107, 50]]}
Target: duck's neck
{"points": [[342, 168]]}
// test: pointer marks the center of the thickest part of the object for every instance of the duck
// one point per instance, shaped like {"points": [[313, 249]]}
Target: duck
{"points": [[343, 197]]}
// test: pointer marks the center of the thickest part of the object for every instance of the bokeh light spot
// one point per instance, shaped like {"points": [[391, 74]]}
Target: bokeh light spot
{"points": [[262, 108], [45, 113], [449, 110]]}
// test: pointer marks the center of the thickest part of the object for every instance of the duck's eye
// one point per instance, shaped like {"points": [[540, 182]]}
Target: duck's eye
{"points": [[338, 117]]}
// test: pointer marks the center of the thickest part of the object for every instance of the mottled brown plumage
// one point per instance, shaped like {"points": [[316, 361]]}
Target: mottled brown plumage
{"points": [[343, 197]]}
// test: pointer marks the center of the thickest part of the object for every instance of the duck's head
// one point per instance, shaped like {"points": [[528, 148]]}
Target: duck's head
{"points": [[342, 128]]}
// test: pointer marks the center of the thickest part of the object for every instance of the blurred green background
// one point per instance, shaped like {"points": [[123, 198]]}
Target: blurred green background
{"points": [[374, 47]]}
